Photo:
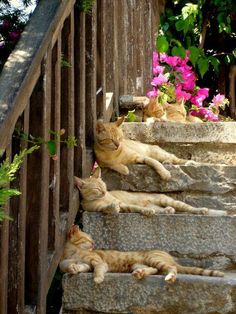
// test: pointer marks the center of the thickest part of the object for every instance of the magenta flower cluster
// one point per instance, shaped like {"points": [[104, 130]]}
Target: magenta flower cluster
{"points": [[173, 73]]}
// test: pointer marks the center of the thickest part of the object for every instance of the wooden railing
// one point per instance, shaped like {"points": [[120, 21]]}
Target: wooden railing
{"points": [[108, 54]]}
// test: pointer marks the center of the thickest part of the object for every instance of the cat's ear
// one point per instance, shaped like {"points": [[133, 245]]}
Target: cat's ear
{"points": [[78, 182], [97, 173], [100, 126], [120, 121]]}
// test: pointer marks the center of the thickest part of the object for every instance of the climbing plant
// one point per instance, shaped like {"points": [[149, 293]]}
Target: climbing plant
{"points": [[199, 26]]}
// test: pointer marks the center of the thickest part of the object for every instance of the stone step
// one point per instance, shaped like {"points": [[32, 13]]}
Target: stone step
{"points": [[121, 293], [206, 185], [205, 142], [204, 241]]}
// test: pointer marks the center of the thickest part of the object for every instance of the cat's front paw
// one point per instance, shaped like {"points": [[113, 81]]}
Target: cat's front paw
{"points": [[149, 212], [165, 175], [74, 269], [170, 278], [204, 211], [168, 210], [98, 280], [138, 273], [115, 209]]}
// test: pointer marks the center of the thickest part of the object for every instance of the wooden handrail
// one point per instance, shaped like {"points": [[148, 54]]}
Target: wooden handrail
{"points": [[22, 69]]}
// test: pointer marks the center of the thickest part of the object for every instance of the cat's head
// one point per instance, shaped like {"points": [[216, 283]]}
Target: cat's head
{"points": [[154, 109], [92, 188], [109, 135], [79, 238]]}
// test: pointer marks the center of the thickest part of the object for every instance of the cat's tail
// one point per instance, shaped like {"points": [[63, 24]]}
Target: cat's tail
{"points": [[199, 271]]}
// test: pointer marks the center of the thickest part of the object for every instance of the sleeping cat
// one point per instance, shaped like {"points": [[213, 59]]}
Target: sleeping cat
{"points": [[176, 112], [97, 198], [115, 152], [80, 257]]}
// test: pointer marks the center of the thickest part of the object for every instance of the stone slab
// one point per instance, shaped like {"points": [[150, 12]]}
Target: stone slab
{"points": [[120, 293], [160, 132], [203, 152], [207, 241], [214, 179]]}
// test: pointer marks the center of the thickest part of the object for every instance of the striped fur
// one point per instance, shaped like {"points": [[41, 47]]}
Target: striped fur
{"points": [[97, 198], [80, 256]]}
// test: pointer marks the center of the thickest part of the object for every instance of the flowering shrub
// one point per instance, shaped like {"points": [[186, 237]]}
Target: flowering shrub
{"points": [[174, 81]]}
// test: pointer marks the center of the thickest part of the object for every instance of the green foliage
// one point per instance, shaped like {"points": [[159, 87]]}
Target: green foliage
{"points": [[85, 5], [7, 174], [185, 24], [131, 116]]}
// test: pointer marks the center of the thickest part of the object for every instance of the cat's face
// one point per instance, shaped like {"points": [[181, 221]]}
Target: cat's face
{"points": [[92, 188], [81, 239], [154, 109], [109, 135]]}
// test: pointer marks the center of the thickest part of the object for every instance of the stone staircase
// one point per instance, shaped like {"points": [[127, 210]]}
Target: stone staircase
{"points": [[195, 240]]}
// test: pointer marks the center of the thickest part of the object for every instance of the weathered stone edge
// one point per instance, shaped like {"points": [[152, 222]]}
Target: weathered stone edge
{"points": [[159, 132], [120, 293]]}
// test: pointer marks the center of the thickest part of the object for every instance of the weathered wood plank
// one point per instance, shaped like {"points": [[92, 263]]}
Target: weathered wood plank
{"points": [[4, 244], [80, 82], [21, 71], [71, 106], [44, 193], [91, 46], [101, 59]]}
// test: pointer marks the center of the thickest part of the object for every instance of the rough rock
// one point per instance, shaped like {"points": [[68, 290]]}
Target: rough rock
{"points": [[215, 179], [205, 142], [159, 132], [120, 293], [205, 240]]}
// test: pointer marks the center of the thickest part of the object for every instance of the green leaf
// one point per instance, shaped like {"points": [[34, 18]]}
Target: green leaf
{"points": [[203, 66], [131, 116], [51, 148], [180, 25], [194, 54], [162, 44], [234, 52], [178, 51], [215, 62]]}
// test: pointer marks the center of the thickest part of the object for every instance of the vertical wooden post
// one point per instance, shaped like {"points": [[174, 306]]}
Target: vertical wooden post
{"points": [[4, 244], [80, 92]]}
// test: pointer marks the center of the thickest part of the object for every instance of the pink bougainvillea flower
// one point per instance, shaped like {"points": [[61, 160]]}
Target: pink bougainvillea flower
{"points": [[218, 101], [155, 59], [201, 95], [158, 80], [173, 61], [181, 95], [152, 93], [163, 57], [205, 114], [158, 69]]}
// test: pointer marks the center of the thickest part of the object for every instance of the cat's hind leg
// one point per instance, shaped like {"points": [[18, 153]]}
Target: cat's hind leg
{"points": [[166, 201], [140, 271], [160, 154]]}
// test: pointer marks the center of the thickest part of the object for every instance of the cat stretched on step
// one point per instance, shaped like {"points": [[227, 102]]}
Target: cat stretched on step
{"points": [[95, 197], [112, 150], [80, 257]]}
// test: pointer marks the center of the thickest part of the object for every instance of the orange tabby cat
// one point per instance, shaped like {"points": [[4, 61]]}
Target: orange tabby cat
{"points": [[97, 198], [115, 152], [176, 112], [79, 256]]}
